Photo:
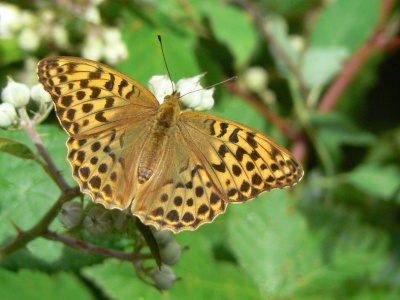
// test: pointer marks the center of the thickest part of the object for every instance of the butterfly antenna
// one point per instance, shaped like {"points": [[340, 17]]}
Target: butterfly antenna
{"points": [[165, 61], [211, 86]]}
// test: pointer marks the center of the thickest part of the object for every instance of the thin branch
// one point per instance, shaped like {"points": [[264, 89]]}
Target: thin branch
{"points": [[34, 136], [379, 40], [24, 237], [75, 243], [269, 36], [286, 129]]}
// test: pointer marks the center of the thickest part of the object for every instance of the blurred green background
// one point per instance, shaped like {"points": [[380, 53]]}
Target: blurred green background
{"points": [[328, 74]]}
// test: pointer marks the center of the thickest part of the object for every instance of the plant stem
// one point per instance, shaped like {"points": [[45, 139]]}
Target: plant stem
{"points": [[50, 235], [24, 237], [379, 40], [285, 128], [34, 136]]}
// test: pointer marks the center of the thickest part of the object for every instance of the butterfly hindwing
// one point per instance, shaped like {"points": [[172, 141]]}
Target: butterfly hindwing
{"points": [[180, 195]]}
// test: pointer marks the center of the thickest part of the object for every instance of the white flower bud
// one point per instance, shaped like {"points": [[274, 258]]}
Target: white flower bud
{"points": [[93, 47], [60, 36], [39, 95], [114, 53], [298, 42], [9, 19], [92, 14], [111, 35], [8, 115], [15, 93], [27, 19], [28, 39], [161, 86], [256, 79]]}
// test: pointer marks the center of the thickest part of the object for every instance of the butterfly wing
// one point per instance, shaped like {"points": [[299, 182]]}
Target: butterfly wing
{"points": [[108, 117], [242, 161], [208, 163]]}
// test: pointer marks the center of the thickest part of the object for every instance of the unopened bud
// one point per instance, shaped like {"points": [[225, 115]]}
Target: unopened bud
{"points": [[256, 79], [8, 115], [163, 237], [165, 278], [39, 95], [171, 253], [17, 94], [71, 214], [98, 221]]}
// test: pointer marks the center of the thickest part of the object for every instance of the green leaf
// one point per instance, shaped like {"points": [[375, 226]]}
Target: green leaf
{"points": [[287, 7], [320, 64], [16, 148], [345, 23], [378, 180], [28, 192], [202, 276], [145, 59], [279, 28], [336, 129], [35, 285], [221, 16], [10, 51], [272, 241]]}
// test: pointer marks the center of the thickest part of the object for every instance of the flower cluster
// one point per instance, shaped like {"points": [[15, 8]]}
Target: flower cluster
{"points": [[17, 96], [193, 95], [48, 26]]}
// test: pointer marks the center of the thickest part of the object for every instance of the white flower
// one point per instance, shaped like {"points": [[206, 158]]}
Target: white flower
{"points": [[7, 114], [161, 86], [15, 93], [28, 39], [194, 95], [256, 79], [93, 47], [9, 19], [207, 100], [60, 36], [92, 15], [114, 53], [111, 35], [39, 95]]}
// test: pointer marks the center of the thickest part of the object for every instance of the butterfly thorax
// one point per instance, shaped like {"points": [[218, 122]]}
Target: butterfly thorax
{"points": [[163, 127]]}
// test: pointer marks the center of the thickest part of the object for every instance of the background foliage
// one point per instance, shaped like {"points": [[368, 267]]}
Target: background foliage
{"points": [[332, 97]]}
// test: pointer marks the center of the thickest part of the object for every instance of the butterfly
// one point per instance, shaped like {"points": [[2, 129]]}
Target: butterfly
{"points": [[174, 170]]}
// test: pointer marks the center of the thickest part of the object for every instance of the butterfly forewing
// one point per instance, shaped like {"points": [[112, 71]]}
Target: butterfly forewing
{"points": [[242, 161], [91, 97], [108, 117]]}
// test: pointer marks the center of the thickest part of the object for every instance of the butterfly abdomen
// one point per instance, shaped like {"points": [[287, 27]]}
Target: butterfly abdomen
{"points": [[163, 127]]}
